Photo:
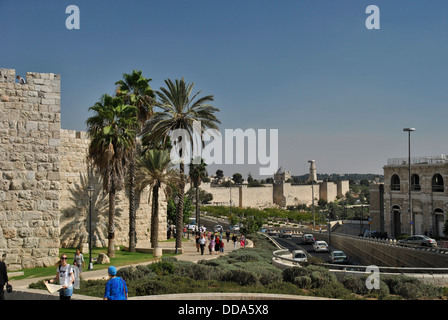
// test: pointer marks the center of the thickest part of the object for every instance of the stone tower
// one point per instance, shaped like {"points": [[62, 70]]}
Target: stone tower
{"points": [[313, 171]]}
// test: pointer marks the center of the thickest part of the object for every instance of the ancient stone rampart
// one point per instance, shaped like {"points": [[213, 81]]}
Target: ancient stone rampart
{"points": [[43, 178], [29, 165]]}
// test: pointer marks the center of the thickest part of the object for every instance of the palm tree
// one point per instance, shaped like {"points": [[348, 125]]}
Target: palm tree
{"points": [[136, 91], [197, 173], [155, 170], [112, 131], [179, 110]]}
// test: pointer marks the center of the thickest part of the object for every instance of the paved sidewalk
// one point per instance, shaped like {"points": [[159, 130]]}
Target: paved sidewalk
{"points": [[189, 254]]}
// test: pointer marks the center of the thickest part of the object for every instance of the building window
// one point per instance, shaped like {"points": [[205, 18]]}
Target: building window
{"points": [[395, 183], [415, 183], [437, 183]]}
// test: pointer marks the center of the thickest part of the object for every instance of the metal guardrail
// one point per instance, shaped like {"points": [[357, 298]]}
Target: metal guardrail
{"points": [[394, 242], [400, 270]]}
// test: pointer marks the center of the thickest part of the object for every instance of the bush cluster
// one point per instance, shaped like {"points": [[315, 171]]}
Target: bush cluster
{"points": [[251, 270]]}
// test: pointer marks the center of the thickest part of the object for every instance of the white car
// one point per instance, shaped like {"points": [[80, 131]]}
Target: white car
{"points": [[320, 246], [299, 256], [236, 228], [218, 228], [337, 257]]}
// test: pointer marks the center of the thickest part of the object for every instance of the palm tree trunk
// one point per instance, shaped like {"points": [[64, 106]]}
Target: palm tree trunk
{"points": [[155, 217], [197, 206], [111, 231], [132, 215], [180, 208]]}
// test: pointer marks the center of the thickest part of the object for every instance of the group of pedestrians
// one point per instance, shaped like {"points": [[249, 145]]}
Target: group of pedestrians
{"points": [[68, 277], [215, 241]]}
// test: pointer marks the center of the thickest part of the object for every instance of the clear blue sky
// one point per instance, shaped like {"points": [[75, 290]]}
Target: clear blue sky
{"points": [[337, 92]]}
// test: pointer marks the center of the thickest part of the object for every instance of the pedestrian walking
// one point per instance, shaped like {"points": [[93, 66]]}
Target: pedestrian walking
{"points": [[3, 279], [197, 237], [78, 260], [202, 242], [212, 245], [217, 244], [66, 277], [228, 235], [242, 241], [116, 288], [221, 247], [235, 240]]}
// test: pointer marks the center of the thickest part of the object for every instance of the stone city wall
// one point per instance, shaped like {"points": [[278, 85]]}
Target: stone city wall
{"points": [[281, 194], [29, 166], [76, 175], [44, 174]]}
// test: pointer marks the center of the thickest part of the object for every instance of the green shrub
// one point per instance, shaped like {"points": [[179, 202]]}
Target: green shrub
{"points": [[355, 285], [135, 273], [303, 282], [334, 290], [411, 288], [163, 267], [197, 271], [242, 277]]}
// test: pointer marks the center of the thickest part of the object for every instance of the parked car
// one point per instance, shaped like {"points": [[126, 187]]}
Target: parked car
{"points": [[285, 233], [236, 228], [299, 255], [420, 240], [307, 238], [271, 232], [218, 228], [320, 246], [337, 256]]}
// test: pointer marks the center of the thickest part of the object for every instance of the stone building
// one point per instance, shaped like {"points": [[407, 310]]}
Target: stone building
{"points": [[429, 196], [43, 177]]}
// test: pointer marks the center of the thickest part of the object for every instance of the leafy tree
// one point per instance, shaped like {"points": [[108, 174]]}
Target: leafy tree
{"points": [[112, 131], [197, 172], [219, 174], [237, 178], [136, 91], [180, 109], [155, 170]]}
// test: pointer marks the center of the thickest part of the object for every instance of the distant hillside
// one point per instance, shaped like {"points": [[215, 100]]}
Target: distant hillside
{"points": [[347, 176]]}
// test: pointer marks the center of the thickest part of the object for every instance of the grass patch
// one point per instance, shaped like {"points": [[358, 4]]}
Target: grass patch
{"points": [[122, 258]]}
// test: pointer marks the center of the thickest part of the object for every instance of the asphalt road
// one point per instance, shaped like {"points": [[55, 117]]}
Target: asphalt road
{"points": [[295, 243]]}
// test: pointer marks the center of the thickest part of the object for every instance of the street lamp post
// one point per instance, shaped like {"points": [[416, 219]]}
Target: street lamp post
{"points": [[312, 205], [90, 191], [411, 222], [176, 202]]}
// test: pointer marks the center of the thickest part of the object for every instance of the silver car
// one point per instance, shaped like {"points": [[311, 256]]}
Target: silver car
{"points": [[419, 240], [319, 246], [299, 256], [337, 257]]}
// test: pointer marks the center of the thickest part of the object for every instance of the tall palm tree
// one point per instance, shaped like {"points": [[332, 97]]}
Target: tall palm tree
{"points": [[112, 131], [197, 173], [136, 91], [156, 170], [179, 110]]}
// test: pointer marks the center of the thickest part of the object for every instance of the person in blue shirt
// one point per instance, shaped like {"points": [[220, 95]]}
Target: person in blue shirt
{"points": [[116, 288]]}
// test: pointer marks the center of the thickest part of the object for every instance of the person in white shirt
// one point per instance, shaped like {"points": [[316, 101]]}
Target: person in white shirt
{"points": [[66, 277], [21, 80]]}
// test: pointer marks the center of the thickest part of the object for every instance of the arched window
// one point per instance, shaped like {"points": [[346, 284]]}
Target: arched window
{"points": [[437, 183], [395, 183], [415, 183]]}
